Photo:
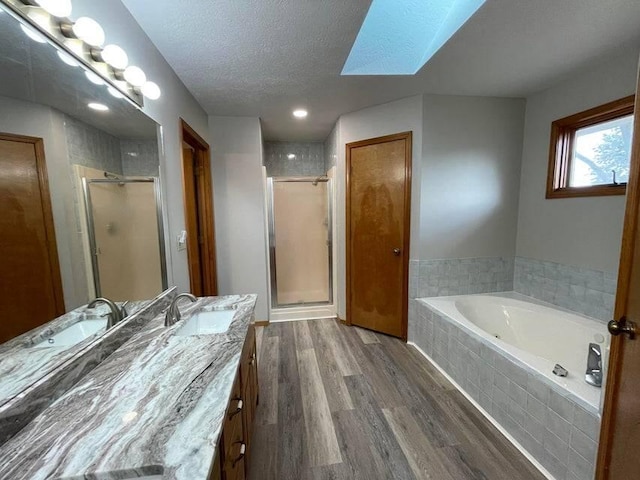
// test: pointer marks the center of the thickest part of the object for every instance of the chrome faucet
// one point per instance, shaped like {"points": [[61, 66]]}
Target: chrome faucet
{"points": [[594, 366], [116, 314], [173, 312]]}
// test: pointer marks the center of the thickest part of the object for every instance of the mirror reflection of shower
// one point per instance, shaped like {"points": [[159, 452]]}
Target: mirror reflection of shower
{"points": [[124, 225], [300, 212]]}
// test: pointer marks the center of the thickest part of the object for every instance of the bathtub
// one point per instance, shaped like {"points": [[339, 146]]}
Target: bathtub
{"points": [[500, 350]]}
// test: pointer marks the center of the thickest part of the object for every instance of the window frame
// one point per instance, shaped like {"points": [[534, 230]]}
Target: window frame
{"points": [[562, 143]]}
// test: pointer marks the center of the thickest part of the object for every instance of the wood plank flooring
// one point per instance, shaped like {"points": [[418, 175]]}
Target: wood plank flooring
{"points": [[339, 402]]}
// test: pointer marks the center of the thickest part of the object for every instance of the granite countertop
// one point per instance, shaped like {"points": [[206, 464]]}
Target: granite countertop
{"points": [[22, 364], [155, 406]]}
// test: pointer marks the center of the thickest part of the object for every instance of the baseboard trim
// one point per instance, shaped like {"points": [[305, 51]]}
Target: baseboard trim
{"points": [[486, 414], [261, 323], [344, 322]]}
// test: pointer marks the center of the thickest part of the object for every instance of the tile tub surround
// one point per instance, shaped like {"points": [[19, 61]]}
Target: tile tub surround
{"points": [[460, 276], [587, 291], [27, 394], [560, 434], [155, 406]]}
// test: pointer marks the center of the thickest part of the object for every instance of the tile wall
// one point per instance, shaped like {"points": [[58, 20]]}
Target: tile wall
{"points": [[308, 161]]}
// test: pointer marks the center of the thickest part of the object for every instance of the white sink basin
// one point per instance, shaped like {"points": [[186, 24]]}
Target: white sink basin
{"points": [[74, 333], [207, 323]]}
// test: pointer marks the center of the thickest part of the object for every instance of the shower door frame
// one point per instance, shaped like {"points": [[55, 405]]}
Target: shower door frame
{"points": [[272, 239], [91, 233]]}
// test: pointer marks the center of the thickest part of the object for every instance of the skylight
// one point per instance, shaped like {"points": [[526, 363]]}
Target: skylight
{"points": [[398, 37]]}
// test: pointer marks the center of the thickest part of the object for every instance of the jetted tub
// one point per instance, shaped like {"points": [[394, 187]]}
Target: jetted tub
{"points": [[500, 350], [537, 335]]}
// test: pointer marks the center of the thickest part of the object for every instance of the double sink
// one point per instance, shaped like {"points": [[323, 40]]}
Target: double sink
{"points": [[200, 323]]}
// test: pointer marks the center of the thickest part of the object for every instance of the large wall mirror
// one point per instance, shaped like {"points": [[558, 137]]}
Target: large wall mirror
{"points": [[79, 186]]}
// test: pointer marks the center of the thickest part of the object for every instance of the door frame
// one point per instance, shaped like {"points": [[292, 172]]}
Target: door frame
{"points": [[203, 157], [630, 236], [47, 212], [408, 138]]}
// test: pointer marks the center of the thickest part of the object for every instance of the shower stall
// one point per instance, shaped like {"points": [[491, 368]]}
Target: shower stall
{"points": [[300, 246], [124, 225]]}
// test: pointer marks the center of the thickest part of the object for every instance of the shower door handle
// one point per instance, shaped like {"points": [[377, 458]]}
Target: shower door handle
{"points": [[396, 252]]}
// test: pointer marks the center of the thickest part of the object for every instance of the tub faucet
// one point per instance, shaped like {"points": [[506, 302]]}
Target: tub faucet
{"points": [[116, 314], [594, 366], [173, 312]]}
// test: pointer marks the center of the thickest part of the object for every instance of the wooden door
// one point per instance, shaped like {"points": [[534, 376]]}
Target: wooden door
{"points": [[30, 284], [378, 212], [198, 201], [618, 455]]}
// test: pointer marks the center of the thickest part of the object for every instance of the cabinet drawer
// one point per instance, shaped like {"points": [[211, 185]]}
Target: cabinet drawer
{"points": [[234, 464]]}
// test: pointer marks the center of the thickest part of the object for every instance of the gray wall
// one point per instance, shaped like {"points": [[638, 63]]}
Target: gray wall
{"points": [[176, 102], [308, 161], [583, 232], [239, 201], [470, 177]]}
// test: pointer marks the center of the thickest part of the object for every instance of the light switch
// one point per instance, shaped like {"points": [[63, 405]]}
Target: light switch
{"points": [[182, 240]]}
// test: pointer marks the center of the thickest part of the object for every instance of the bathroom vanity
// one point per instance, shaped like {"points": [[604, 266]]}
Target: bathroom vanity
{"points": [[39, 366], [173, 402]]}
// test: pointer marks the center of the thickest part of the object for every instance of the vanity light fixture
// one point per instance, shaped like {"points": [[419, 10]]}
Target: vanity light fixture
{"points": [[114, 56], [300, 113], [135, 76], [68, 59], [89, 31], [57, 8], [291, 156], [151, 90], [98, 106]]}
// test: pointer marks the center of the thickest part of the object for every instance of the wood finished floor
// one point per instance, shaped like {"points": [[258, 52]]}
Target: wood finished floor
{"points": [[340, 402]]}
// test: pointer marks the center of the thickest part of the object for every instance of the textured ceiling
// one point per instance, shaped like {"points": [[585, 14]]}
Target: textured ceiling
{"points": [[265, 57]]}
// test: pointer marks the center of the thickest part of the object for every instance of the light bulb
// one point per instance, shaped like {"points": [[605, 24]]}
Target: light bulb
{"points": [[89, 31], [135, 76], [98, 106], [93, 78], [151, 90], [115, 56], [300, 113], [32, 34], [57, 8], [68, 59], [114, 92], [291, 156]]}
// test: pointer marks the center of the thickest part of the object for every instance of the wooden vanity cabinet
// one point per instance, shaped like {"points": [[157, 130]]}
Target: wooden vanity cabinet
{"points": [[234, 450]]}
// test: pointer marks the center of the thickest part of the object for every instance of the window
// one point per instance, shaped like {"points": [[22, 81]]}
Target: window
{"points": [[591, 151]]}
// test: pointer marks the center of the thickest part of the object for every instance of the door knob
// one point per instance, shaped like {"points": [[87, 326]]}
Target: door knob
{"points": [[396, 252], [616, 327]]}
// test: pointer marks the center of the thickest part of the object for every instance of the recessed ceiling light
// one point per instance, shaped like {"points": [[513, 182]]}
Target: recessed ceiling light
{"points": [[98, 106], [291, 156], [300, 113]]}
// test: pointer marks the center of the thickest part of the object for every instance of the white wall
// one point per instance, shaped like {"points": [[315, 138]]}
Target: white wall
{"points": [[394, 117], [575, 231], [34, 120], [239, 200], [175, 102], [471, 151]]}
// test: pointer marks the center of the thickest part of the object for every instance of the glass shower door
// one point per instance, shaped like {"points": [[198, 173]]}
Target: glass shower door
{"points": [[300, 241], [125, 235]]}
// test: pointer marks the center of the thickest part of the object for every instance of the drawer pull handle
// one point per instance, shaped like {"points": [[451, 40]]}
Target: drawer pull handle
{"points": [[243, 449], [238, 408], [253, 359]]}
